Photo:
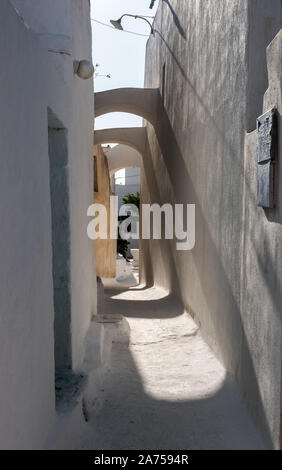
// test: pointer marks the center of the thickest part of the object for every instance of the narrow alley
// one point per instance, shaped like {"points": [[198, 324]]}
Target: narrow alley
{"points": [[165, 388], [141, 227]]}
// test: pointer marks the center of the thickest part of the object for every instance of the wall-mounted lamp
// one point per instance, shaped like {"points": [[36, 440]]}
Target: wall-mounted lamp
{"points": [[83, 69], [117, 23]]}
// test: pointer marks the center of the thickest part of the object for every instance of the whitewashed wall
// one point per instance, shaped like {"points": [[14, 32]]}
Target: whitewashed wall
{"points": [[65, 30], [33, 79], [212, 78]]}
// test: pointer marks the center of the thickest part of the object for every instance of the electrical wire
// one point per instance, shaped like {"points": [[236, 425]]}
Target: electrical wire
{"points": [[124, 30]]}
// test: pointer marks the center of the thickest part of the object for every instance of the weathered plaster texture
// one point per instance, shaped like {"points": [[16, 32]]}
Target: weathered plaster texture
{"points": [[261, 281], [32, 81], [264, 21], [211, 93]]}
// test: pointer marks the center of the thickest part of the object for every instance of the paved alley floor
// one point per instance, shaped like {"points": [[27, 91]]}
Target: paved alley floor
{"points": [[165, 389]]}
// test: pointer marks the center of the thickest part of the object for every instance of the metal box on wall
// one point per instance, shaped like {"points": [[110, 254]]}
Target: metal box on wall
{"points": [[267, 158]]}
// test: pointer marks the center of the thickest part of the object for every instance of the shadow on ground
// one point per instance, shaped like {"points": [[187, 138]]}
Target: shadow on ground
{"points": [[165, 389]]}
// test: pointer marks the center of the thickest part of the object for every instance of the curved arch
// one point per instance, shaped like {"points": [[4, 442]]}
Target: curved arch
{"points": [[113, 170], [143, 102], [134, 137], [122, 156]]}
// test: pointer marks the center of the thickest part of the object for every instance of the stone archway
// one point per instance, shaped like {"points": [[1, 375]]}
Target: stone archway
{"points": [[122, 156], [134, 137], [144, 102]]}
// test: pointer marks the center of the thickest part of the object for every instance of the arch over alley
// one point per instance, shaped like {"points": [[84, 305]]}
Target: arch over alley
{"points": [[144, 102], [134, 137]]}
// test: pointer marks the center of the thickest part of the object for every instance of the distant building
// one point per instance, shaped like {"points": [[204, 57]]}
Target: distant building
{"points": [[126, 181], [125, 172]]}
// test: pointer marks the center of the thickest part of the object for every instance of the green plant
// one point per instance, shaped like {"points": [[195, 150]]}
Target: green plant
{"points": [[122, 245], [132, 199]]}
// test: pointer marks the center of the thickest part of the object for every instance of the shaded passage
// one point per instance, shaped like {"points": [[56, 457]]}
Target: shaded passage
{"points": [[165, 389]]}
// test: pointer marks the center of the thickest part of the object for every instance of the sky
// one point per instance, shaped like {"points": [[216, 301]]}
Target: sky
{"points": [[118, 53]]}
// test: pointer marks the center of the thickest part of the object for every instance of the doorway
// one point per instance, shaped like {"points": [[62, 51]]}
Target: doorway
{"points": [[60, 214]]}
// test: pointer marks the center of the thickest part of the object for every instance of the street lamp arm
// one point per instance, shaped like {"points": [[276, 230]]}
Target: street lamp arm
{"points": [[141, 18]]}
